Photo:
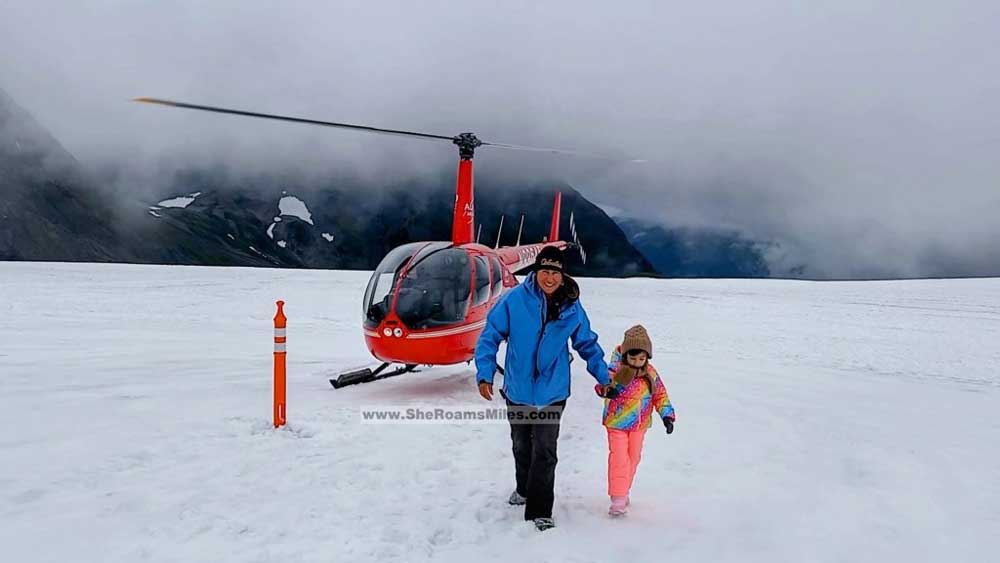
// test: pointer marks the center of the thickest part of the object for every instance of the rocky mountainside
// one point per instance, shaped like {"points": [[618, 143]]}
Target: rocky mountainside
{"points": [[344, 225], [45, 211], [51, 210], [696, 253]]}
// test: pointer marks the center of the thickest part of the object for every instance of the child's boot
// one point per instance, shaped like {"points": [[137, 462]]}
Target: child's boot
{"points": [[619, 506]]}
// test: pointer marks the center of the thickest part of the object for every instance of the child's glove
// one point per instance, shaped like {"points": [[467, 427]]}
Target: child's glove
{"points": [[608, 391], [669, 424]]}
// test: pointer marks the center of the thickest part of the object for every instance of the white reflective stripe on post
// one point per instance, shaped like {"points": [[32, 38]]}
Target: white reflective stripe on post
{"points": [[279, 333], [279, 348]]}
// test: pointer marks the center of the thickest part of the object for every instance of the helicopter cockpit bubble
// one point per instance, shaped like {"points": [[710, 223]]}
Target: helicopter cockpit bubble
{"points": [[435, 290]]}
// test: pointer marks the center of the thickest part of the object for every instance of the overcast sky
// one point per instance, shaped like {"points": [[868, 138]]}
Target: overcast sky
{"points": [[861, 138]]}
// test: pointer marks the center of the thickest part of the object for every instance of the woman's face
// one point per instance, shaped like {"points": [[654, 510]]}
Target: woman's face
{"points": [[636, 358], [549, 280]]}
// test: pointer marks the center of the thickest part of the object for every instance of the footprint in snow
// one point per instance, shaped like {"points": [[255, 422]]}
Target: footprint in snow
{"points": [[31, 495], [440, 464], [441, 536]]}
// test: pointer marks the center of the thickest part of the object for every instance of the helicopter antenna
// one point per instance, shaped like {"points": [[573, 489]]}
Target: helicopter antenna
{"points": [[576, 239], [499, 232], [519, 228]]}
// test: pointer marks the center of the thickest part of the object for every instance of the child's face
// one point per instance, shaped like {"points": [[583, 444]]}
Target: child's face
{"points": [[636, 359]]}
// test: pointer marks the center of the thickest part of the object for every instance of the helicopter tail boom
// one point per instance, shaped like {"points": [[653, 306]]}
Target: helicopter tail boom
{"points": [[463, 218]]}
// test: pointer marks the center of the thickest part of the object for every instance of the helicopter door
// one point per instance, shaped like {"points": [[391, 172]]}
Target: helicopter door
{"points": [[482, 294], [497, 277]]}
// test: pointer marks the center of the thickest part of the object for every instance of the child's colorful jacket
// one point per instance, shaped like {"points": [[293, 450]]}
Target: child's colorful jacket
{"points": [[632, 408]]}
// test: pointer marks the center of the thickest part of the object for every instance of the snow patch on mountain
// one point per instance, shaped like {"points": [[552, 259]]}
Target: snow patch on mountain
{"points": [[294, 207], [180, 201]]}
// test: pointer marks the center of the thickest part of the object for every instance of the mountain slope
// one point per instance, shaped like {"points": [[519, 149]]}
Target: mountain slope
{"points": [[47, 211], [353, 226], [695, 253], [50, 210]]}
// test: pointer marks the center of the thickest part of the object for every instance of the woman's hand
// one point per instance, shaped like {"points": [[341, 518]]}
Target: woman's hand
{"points": [[608, 391]]}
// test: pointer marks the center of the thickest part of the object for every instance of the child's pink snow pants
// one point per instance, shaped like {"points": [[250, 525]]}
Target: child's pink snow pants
{"points": [[625, 450]]}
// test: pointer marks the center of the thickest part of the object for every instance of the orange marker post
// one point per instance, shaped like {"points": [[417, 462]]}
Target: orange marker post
{"points": [[279, 365]]}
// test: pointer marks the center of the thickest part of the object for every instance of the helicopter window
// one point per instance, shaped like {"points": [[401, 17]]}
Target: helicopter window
{"points": [[378, 295], [429, 249], [497, 276], [383, 283], [482, 280], [435, 290]]}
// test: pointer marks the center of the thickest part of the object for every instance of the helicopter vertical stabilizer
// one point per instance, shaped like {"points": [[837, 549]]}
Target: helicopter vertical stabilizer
{"points": [[554, 228]]}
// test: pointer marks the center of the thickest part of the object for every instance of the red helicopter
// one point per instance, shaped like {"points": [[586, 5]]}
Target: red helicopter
{"points": [[426, 303]]}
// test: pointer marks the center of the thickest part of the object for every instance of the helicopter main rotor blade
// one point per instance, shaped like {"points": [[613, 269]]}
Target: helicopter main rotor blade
{"points": [[458, 139], [293, 119], [559, 151]]}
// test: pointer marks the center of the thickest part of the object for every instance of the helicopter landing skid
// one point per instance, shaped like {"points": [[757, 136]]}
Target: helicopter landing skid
{"points": [[368, 375]]}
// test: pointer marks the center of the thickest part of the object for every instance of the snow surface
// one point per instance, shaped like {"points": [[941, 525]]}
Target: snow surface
{"points": [[270, 230], [181, 202], [282, 243], [291, 205], [852, 421], [328, 237]]}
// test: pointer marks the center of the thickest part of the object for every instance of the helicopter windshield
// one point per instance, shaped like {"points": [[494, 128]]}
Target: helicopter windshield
{"points": [[378, 295], [435, 290]]}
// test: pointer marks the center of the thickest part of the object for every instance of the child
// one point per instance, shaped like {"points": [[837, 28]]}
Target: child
{"points": [[635, 392]]}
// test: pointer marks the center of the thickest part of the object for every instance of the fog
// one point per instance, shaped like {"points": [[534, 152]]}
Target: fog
{"points": [[858, 140]]}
